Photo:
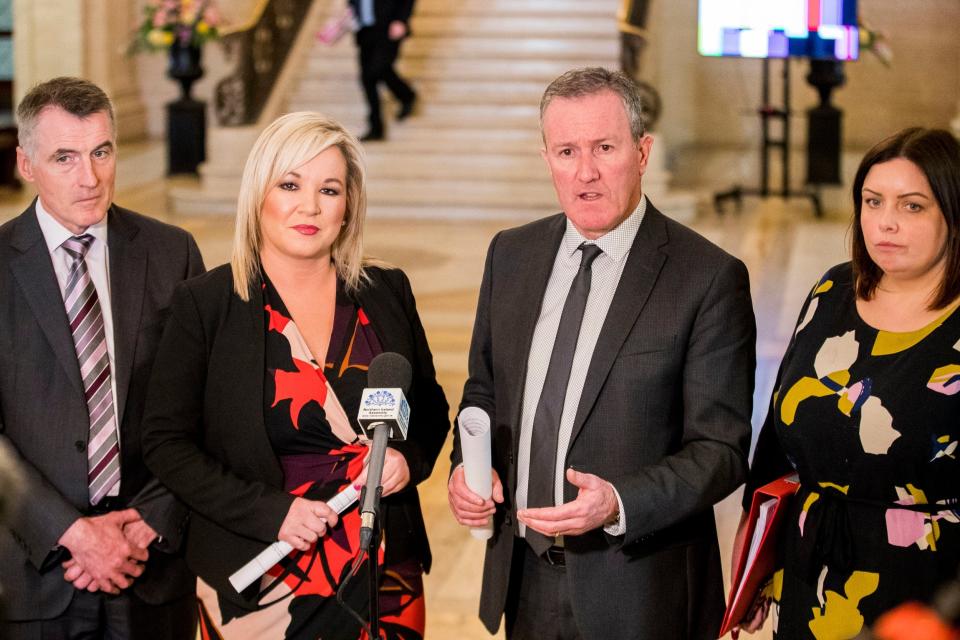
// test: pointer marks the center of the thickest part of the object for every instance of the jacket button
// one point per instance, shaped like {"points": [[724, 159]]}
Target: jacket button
{"points": [[508, 521], [80, 445]]}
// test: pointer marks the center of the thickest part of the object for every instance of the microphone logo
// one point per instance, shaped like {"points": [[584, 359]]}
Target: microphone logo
{"points": [[381, 399], [385, 404]]}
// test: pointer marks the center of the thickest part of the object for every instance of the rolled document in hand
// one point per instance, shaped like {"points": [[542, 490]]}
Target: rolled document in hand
{"points": [[474, 426], [266, 559]]}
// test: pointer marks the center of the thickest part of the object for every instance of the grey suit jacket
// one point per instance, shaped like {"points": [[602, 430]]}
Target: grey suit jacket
{"points": [[664, 415], [43, 413]]}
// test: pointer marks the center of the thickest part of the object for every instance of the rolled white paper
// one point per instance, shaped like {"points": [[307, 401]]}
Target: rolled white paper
{"points": [[474, 424], [264, 561]]}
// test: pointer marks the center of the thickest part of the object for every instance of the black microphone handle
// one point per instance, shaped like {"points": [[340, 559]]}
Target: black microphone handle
{"points": [[371, 494]]}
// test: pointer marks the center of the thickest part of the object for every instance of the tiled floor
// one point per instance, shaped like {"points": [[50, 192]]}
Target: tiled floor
{"points": [[785, 249]]}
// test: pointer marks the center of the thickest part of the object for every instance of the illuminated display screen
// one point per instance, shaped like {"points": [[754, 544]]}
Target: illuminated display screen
{"points": [[822, 29]]}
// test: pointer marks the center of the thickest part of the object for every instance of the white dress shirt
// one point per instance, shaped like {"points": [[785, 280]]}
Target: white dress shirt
{"points": [[367, 17], [605, 276], [98, 266]]}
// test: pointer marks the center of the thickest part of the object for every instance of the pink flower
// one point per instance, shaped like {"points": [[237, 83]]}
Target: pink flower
{"points": [[211, 15], [905, 528]]}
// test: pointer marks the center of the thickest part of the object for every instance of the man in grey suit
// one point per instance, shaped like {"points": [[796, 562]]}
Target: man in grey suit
{"points": [[85, 286], [614, 352]]}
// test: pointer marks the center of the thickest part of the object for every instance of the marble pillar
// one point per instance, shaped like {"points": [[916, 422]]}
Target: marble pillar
{"points": [[86, 38]]}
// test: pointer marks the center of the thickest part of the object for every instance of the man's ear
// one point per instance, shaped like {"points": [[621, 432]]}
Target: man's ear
{"points": [[643, 149], [24, 165]]}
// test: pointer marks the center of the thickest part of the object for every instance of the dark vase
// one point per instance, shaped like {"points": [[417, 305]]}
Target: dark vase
{"points": [[185, 67]]}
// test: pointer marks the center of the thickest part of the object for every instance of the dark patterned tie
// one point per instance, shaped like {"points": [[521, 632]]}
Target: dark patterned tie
{"points": [[90, 340], [546, 421]]}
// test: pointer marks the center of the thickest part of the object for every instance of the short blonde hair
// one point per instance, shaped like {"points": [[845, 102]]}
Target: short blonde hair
{"points": [[287, 143]]}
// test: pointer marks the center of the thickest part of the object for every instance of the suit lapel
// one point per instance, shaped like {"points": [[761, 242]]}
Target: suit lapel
{"points": [[639, 276], [531, 274], [375, 313], [34, 273], [128, 271], [250, 358]]}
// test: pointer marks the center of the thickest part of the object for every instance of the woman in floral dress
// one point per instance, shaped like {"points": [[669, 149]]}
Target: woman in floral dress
{"points": [[867, 405], [256, 387]]}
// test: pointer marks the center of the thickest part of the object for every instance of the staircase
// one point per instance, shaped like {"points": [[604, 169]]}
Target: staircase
{"points": [[479, 66]]}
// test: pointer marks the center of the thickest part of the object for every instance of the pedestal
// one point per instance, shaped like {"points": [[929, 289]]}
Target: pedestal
{"points": [[824, 134], [823, 146], [186, 135], [186, 117]]}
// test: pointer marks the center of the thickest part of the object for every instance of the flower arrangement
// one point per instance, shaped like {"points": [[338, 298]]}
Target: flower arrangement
{"points": [[186, 22]]}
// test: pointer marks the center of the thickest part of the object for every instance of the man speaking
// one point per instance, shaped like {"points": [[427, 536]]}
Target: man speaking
{"points": [[614, 351]]}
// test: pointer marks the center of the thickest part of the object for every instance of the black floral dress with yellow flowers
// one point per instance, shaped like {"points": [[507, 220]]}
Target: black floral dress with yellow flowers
{"points": [[870, 420]]}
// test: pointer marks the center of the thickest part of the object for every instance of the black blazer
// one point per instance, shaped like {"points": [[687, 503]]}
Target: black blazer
{"points": [[664, 416], [43, 413], [204, 430]]}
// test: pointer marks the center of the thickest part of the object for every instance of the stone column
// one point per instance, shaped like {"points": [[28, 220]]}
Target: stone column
{"points": [[47, 42], [109, 27], [86, 38]]}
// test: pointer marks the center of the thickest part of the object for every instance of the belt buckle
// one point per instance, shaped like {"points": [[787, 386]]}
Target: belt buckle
{"points": [[554, 556]]}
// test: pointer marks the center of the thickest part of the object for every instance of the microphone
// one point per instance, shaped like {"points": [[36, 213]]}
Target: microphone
{"points": [[384, 415]]}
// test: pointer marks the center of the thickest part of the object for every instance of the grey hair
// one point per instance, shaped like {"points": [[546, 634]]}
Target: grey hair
{"points": [[76, 96], [589, 81]]}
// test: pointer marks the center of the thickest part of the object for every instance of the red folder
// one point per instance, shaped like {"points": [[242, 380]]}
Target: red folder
{"points": [[758, 555]]}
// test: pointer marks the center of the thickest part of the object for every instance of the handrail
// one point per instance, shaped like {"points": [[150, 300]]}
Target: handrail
{"points": [[261, 47], [249, 24]]}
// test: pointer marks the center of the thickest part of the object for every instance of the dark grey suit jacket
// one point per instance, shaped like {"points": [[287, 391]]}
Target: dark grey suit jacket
{"points": [[43, 413], [664, 415]]}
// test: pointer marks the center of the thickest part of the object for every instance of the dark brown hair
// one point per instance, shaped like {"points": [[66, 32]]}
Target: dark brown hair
{"points": [[76, 96], [937, 154]]}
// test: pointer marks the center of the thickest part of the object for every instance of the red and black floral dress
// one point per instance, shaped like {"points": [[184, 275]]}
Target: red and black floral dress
{"points": [[309, 415]]}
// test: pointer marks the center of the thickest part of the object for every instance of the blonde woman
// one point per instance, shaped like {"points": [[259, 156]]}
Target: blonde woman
{"points": [[255, 390]]}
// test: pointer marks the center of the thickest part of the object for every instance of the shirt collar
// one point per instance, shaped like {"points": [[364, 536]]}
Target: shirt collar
{"points": [[615, 243], [54, 233]]}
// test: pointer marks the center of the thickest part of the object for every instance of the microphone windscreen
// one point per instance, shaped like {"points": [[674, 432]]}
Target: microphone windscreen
{"points": [[388, 370]]}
